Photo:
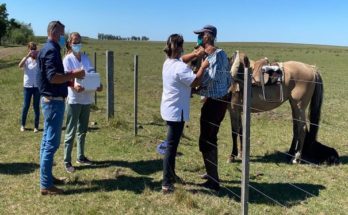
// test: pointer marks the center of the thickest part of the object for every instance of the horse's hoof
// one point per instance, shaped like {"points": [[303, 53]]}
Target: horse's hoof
{"points": [[297, 158], [231, 159], [333, 160], [204, 176], [294, 161]]}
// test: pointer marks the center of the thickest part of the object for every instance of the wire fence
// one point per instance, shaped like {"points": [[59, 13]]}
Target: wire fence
{"points": [[258, 190]]}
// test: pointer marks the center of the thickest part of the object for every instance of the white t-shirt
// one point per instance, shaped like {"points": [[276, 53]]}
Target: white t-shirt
{"points": [[71, 63], [31, 69], [177, 78]]}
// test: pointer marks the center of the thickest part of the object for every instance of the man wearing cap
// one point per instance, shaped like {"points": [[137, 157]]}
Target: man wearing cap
{"points": [[52, 83], [215, 84]]}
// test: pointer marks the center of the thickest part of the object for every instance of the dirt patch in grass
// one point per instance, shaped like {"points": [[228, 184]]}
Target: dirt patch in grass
{"points": [[6, 53]]}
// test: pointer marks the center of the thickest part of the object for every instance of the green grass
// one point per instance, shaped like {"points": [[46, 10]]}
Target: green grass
{"points": [[127, 177]]}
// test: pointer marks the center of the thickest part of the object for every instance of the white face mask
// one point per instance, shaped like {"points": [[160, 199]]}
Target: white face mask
{"points": [[76, 48]]}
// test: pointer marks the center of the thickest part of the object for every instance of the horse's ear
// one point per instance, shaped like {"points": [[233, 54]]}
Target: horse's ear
{"points": [[232, 58], [246, 61], [235, 61]]}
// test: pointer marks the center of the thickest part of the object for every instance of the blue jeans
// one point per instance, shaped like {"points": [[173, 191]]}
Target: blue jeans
{"points": [[53, 112], [175, 130], [28, 93]]}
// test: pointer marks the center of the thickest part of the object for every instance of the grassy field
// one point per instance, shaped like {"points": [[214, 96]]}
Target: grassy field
{"points": [[127, 176]]}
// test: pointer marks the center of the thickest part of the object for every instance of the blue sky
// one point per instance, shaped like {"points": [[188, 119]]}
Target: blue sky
{"points": [[293, 21]]}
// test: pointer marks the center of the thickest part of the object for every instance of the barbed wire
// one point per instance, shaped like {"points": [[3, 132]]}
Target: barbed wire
{"points": [[257, 190], [296, 187], [252, 187], [260, 110], [237, 133], [293, 79], [330, 127], [262, 193], [279, 151]]}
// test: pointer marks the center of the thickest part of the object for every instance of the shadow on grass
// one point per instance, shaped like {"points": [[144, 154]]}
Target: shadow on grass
{"points": [[122, 183], [18, 168], [90, 129], [155, 123], [275, 157], [143, 167], [226, 191], [344, 159], [283, 194], [281, 157]]}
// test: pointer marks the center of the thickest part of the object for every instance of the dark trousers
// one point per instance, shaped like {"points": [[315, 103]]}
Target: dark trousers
{"points": [[28, 93], [212, 113], [175, 130]]}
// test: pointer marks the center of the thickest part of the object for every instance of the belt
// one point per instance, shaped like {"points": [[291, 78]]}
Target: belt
{"points": [[58, 98]]}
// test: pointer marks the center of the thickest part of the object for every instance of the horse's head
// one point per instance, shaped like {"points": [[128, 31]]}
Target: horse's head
{"points": [[239, 61]]}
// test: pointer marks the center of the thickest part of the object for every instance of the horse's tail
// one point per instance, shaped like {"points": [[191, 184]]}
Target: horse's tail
{"points": [[315, 107]]}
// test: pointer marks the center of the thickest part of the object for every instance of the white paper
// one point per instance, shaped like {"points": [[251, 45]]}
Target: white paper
{"points": [[90, 82]]}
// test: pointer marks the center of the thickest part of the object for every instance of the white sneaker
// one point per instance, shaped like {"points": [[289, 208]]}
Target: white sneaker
{"points": [[22, 128], [36, 130]]}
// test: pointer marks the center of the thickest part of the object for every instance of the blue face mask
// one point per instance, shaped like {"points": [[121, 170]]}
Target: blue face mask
{"points": [[200, 40], [61, 41], [76, 48]]}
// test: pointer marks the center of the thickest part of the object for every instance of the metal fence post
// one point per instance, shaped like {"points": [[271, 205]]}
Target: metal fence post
{"points": [[246, 141], [110, 84], [95, 68], [135, 95]]}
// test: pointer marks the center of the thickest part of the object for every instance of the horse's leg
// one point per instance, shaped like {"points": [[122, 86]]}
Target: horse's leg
{"points": [[300, 130], [240, 145], [236, 127], [234, 132], [294, 131]]}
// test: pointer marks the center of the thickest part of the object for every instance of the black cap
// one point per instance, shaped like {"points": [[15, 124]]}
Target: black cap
{"points": [[207, 28]]}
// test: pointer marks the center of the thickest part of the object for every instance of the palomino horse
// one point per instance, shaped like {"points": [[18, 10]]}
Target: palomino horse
{"points": [[300, 84]]}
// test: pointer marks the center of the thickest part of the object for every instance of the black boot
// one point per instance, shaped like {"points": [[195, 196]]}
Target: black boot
{"points": [[211, 166]]}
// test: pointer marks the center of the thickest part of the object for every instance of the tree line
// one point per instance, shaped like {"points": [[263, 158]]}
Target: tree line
{"points": [[102, 36], [13, 31]]}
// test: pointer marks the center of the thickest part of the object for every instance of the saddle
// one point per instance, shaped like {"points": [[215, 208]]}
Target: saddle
{"points": [[267, 74]]}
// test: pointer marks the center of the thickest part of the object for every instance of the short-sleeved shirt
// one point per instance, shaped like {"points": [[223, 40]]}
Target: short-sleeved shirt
{"points": [[30, 72], [177, 79], [50, 63], [217, 78], [71, 63]]}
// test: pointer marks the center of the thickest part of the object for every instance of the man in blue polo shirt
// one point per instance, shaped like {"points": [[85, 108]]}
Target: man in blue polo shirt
{"points": [[216, 82], [52, 83]]}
